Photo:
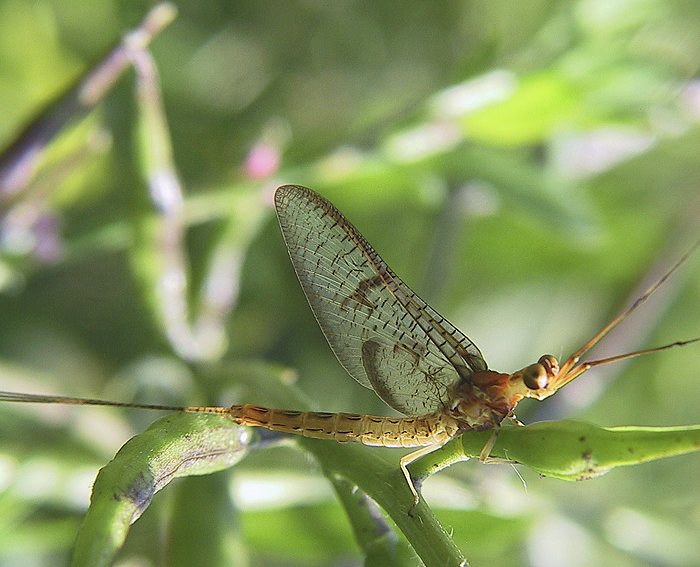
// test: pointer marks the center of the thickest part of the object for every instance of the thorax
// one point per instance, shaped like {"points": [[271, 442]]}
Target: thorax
{"points": [[486, 400]]}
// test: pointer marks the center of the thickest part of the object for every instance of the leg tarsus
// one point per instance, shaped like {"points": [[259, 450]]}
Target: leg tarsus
{"points": [[403, 463], [485, 453], [414, 485]]}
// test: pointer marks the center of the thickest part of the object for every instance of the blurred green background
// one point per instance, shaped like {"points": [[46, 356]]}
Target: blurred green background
{"points": [[524, 167]]}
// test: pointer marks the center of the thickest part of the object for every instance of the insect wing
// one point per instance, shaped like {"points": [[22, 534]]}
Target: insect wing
{"points": [[383, 334]]}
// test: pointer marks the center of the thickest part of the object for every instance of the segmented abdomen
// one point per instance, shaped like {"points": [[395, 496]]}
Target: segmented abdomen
{"points": [[349, 427]]}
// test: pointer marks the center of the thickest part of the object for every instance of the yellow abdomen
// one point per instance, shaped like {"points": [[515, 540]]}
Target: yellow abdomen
{"points": [[348, 427]]}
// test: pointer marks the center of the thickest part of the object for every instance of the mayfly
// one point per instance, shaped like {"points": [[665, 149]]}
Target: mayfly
{"points": [[390, 340]]}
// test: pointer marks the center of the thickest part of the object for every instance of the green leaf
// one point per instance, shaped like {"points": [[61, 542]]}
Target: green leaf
{"points": [[568, 449], [383, 481], [175, 446], [204, 527], [377, 538], [540, 104]]}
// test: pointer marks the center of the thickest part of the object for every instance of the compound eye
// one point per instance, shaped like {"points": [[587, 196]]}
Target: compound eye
{"points": [[551, 364], [535, 377]]}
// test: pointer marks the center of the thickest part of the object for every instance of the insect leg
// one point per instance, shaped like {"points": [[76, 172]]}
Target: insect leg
{"points": [[407, 460], [485, 454]]}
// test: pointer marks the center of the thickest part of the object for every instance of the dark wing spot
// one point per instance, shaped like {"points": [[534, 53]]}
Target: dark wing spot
{"points": [[360, 295]]}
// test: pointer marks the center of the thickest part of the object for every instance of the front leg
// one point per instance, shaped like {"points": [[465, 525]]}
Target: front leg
{"points": [[485, 454]]}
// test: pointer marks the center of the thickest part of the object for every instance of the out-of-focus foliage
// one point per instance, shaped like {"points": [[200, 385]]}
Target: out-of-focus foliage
{"points": [[523, 166]]}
